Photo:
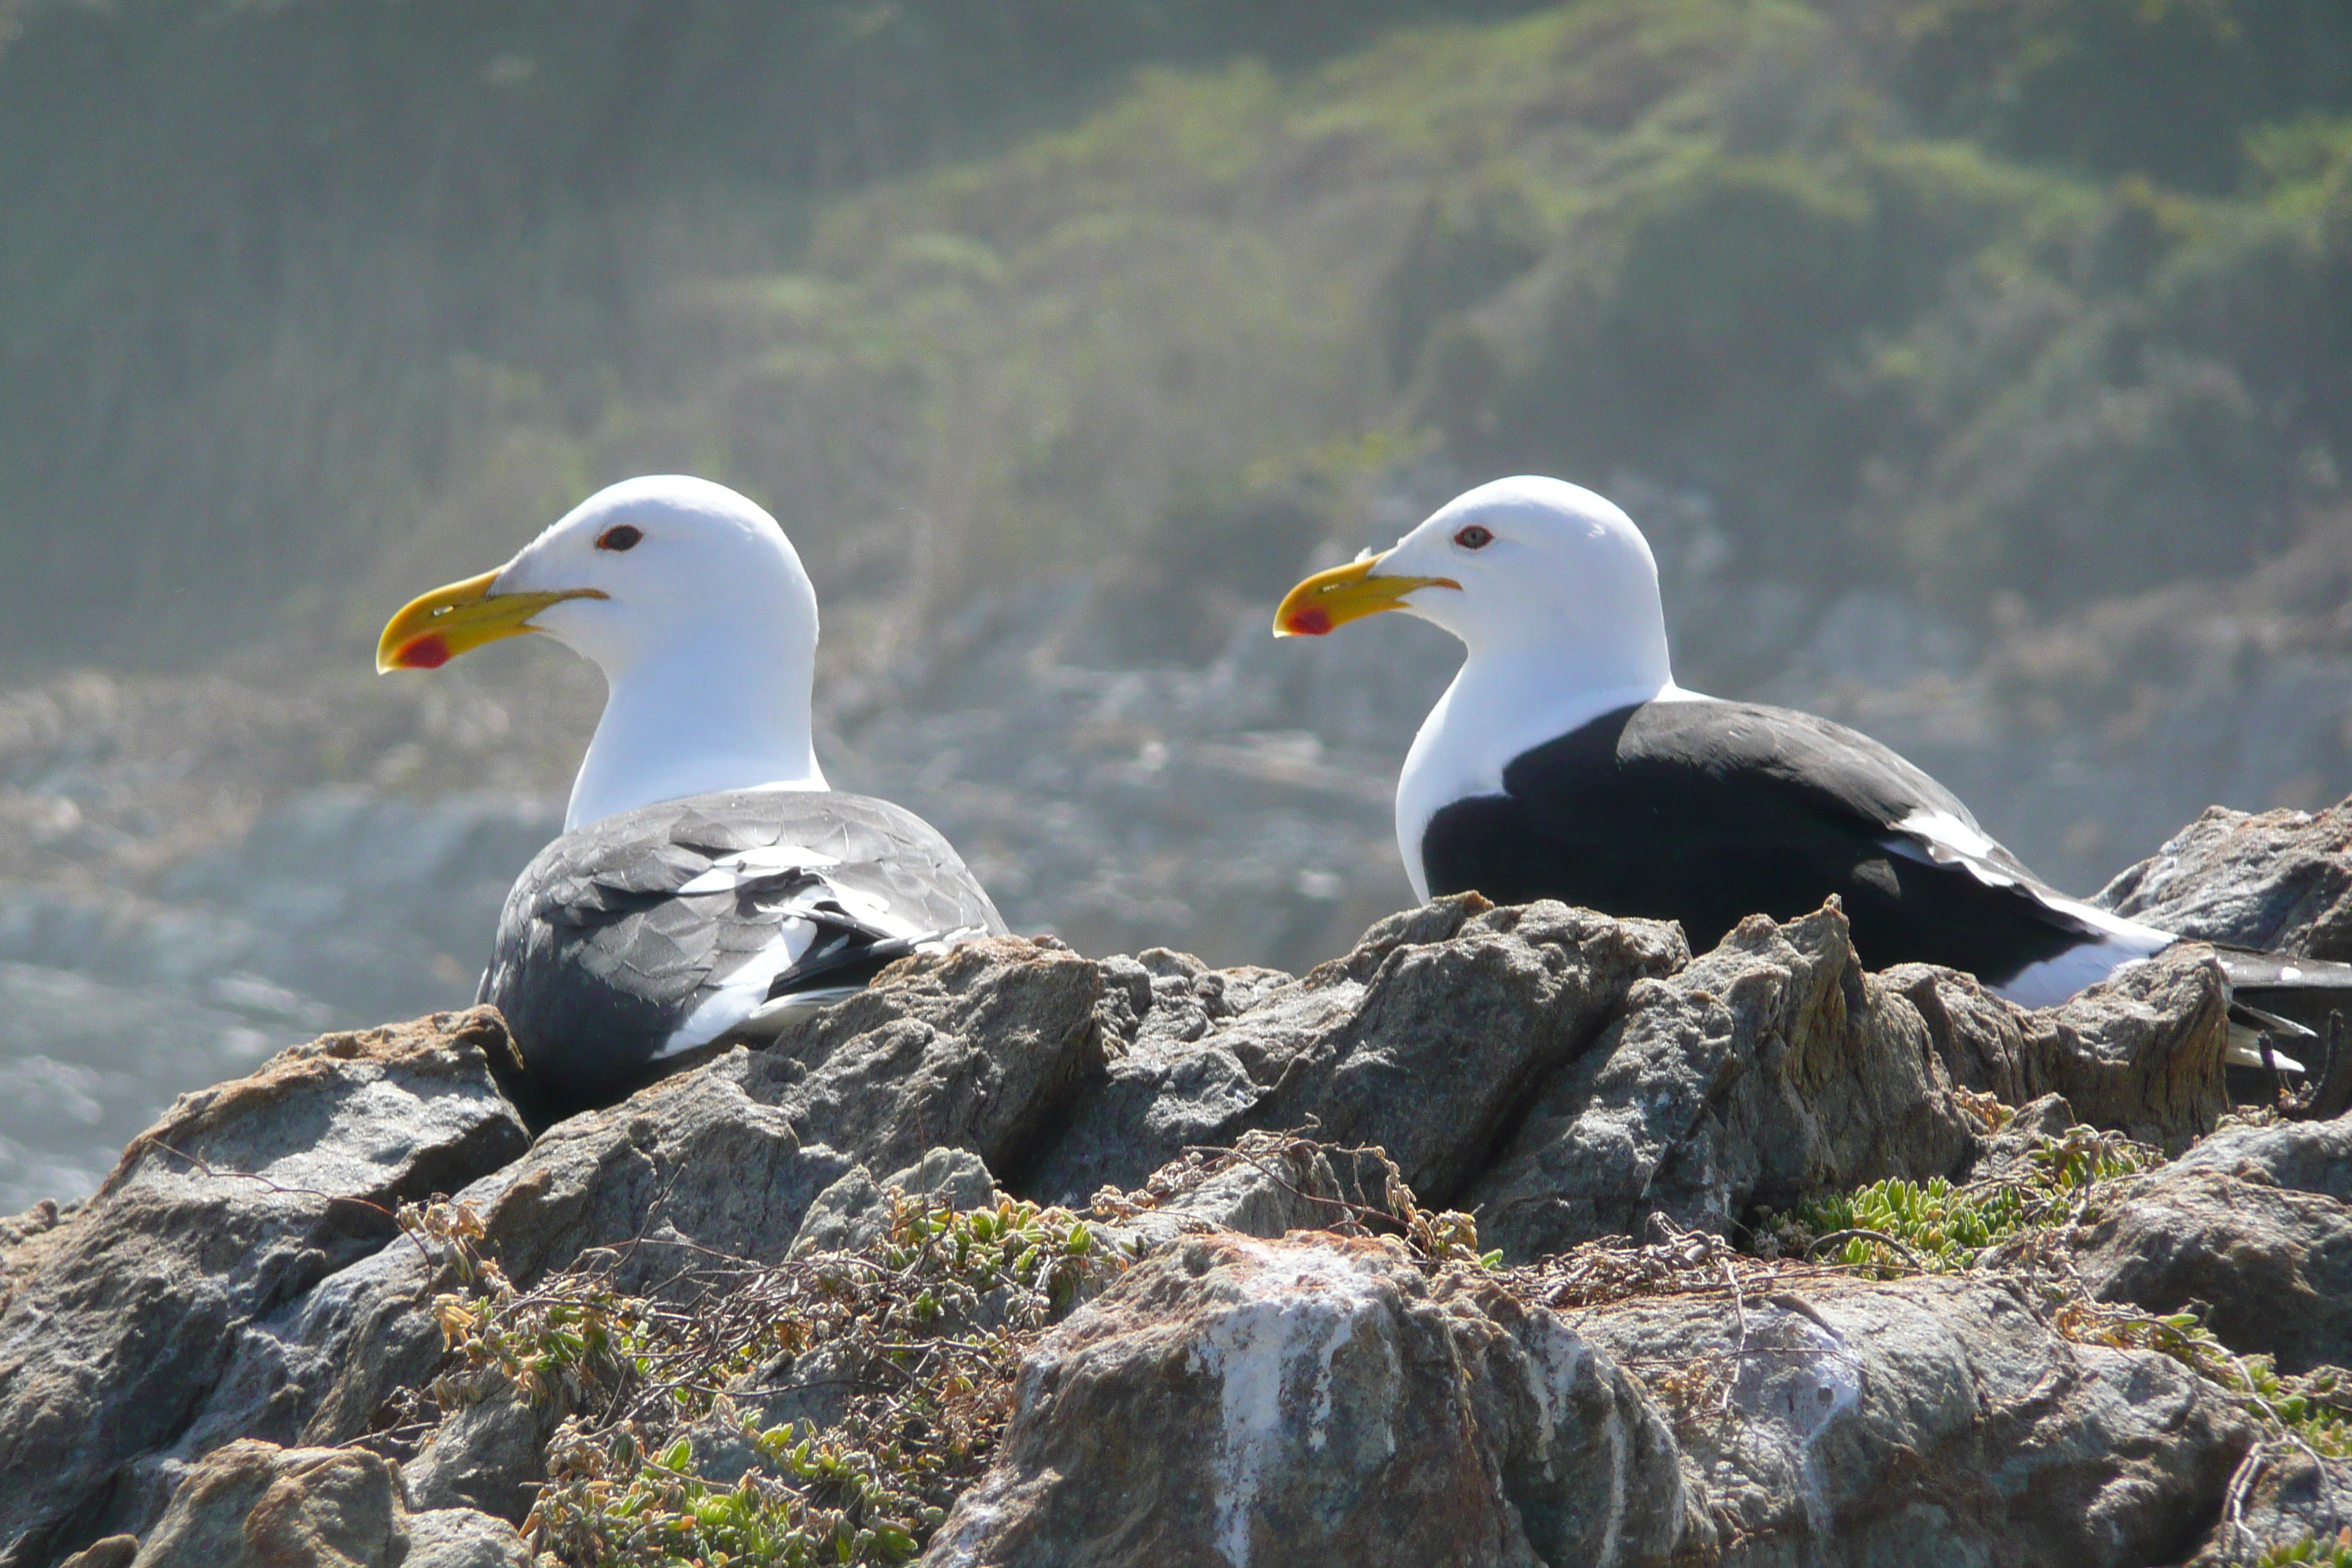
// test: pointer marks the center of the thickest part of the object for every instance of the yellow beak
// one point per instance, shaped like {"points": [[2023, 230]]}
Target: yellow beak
{"points": [[431, 630], [1345, 594]]}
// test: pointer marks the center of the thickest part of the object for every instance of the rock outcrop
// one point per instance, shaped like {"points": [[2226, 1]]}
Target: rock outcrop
{"points": [[975, 1050], [121, 1322], [1770, 1067], [256, 1505], [1427, 1040], [2282, 1499], [1267, 1340], [1212, 1406], [2278, 881], [2254, 1224], [2142, 1052], [1933, 1420]]}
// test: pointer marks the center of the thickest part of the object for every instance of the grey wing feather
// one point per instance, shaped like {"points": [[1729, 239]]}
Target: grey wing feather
{"points": [[621, 934]]}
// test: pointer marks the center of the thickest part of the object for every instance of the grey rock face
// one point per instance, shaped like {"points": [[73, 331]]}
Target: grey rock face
{"points": [[1928, 1422], [1572, 1076], [2254, 1223], [461, 1537], [489, 1457], [856, 1208], [2009, 1151], [1425, 1040], [1268, 1187], [2141, 1052], [255, 1505], [1979, 1037], [118, 1321], [982, 1050], [2281, 1496], [2308, 1157], [1770, 1067], [1316, 1400], [2277, 881], [978, 1047], [114, 1552]]}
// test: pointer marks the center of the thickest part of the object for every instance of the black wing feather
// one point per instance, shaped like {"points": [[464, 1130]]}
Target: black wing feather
{"points": [[1706, 811]]}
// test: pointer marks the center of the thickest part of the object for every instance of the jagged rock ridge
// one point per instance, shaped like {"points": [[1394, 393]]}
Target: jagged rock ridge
{"points": [[237, 1295]]}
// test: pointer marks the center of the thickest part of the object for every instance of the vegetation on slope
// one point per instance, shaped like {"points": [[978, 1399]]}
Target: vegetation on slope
{"points": [[830, 1406], [2042, 296], [278, 282]]}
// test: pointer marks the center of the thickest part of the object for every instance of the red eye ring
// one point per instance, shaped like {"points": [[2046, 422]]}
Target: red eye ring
{"points": [[1475, 536], [620, 536]]}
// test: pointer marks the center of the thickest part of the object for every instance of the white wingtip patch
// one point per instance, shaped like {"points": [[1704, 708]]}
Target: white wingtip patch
{"points": [[741, 994], [2245, 1050], [1949, 840]]}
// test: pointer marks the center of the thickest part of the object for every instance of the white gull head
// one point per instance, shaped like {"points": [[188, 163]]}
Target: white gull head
{"points": [[696, 607], [1553, 591]]}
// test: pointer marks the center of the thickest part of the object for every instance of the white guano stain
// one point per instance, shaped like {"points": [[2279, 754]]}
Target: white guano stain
{"points": [[975, 1521], [1556, 1362], [1793, 1395], [1275, 1344]]}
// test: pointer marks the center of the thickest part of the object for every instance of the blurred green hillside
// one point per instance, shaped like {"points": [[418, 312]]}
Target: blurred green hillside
{"points": [[304, 306]]}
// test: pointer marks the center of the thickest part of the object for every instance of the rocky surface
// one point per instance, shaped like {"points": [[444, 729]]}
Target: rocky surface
{"points": [[1770, 1067], [2282, 1498], [1273, 1344], [2255, 1225], [256, 1505], [2142, 1052], [1932, 1421], [973, 1051], [121, 1320], [2280, 882], [1425, 1040], [1211, 1406]]}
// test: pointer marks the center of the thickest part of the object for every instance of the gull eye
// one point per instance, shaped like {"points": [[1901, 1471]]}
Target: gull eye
{"points": [[1476, 536], [620, 536]]}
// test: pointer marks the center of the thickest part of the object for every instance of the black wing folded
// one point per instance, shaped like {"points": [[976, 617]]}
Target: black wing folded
{"points": [[1706, 811]]}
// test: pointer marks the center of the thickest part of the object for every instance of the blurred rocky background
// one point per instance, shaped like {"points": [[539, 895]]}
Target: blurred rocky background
{"points": [[1981, 371]]}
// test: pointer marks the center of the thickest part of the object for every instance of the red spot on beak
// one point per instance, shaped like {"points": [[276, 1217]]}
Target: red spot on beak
{"points": [[1310, 623], [427, 652]]}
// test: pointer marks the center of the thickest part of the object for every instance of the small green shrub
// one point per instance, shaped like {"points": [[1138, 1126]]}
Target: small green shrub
{"points": [[1941, 1228], [2334, 1552], [927, 1324], [1893, 1227]]}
